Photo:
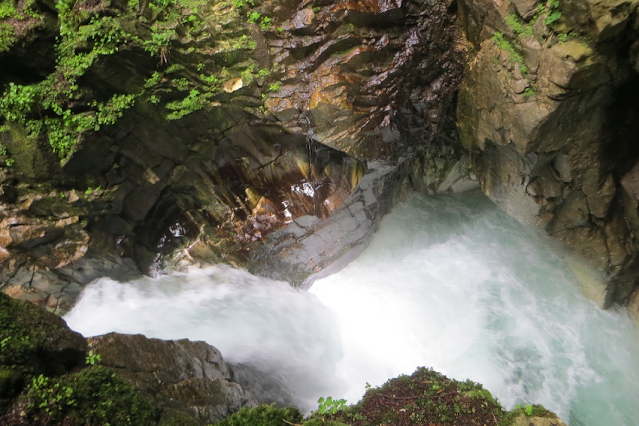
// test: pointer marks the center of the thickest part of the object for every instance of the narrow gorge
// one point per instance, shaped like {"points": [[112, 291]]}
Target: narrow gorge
{"points": [[310, 187]]}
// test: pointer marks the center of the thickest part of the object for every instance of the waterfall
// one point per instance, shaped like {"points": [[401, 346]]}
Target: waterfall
{"points": [[448, 282]]}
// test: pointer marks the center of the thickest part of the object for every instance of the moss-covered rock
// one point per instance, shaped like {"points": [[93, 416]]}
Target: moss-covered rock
{"points": [[92, 396], [33, 341], [263, 415], [531, 415], [47, 377], [425, 397]]}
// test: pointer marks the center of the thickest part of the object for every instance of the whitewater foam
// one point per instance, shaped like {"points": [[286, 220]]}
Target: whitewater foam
{"points": [[448, 282]]}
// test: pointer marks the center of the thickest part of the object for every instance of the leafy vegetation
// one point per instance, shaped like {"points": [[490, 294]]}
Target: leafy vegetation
{"points": [[93, 358], [330, 406], [553, 15], [263, 415], [426, 397], [93, 396], [518, 25], [514, 54], [25, 333], [521, 28], [526, 411], [63, 109]]}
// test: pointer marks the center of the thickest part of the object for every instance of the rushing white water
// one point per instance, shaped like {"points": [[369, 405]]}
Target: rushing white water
{"points": [[448, 282]]}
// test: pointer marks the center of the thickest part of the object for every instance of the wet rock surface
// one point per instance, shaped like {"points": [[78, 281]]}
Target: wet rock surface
{"points": [[313, 123], [192, 375], [340, 84], [545, 106], [310, 248], [181, 381]]}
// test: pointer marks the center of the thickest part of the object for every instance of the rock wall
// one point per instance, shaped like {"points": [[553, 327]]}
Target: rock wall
{"points": [[547, 107], [244, 120]]}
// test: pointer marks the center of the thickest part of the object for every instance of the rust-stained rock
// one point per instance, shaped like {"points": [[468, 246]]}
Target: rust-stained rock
{"points": [[298, 105]]}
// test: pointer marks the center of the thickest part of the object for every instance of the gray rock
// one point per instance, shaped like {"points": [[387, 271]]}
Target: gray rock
{"points": [[193, 375]]}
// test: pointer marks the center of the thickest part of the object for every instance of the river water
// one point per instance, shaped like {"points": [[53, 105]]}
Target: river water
{"points": [[448, 282]]}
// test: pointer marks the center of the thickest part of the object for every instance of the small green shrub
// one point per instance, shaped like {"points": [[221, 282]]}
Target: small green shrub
{"points": [[240, 4], [513, 54], [330, 406], [263, 415], [7, 36], [93, 396], [554, 14], [518, 26], [92, 358], [193, 102], [552, 17], [275, 86]]}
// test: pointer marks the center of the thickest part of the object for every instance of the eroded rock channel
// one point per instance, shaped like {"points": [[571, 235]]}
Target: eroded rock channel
{"points": [[146, 137]]}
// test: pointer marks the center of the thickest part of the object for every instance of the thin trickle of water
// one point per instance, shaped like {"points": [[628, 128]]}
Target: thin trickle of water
{"points": [[448, 282]]}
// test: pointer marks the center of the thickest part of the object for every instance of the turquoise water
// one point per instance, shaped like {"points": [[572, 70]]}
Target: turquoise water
{"points": [[448, 282]]}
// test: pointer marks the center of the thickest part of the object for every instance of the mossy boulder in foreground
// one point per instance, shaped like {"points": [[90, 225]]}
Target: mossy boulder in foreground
{"points": [[424, 398], [48, 378]]}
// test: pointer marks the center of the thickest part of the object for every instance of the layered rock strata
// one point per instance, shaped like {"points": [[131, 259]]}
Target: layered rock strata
{"points": [[249, 118]]}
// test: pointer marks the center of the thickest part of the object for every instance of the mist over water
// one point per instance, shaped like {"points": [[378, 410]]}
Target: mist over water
{"points": [[448, 282]]}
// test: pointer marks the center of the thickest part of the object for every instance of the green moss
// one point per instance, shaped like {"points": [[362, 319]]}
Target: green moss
{"points": [[262, 415], [173, 417], [527, 411], [425, 397], [514, 55], [319, 422], [518, 26], [18, 341], [93, 396], [530, 92], [65, 107], [10, 382]]}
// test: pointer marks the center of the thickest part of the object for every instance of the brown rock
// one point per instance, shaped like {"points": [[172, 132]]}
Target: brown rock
{"points": [[526, 8], [630, 195], [572, 213], [599, 203], [587, 242]]}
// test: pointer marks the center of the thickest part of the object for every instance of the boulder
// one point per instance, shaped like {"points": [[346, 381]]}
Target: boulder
{"points": [[192, 375]]}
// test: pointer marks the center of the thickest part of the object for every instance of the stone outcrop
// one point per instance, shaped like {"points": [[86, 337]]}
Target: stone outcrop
{"points": [[193, 376], [310, 248], [548, 108], [248, 119], [177, 381]]}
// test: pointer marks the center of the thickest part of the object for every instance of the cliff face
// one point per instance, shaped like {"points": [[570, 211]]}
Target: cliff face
{"points": [[548, 107], [189, 131], [148, 136]]}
